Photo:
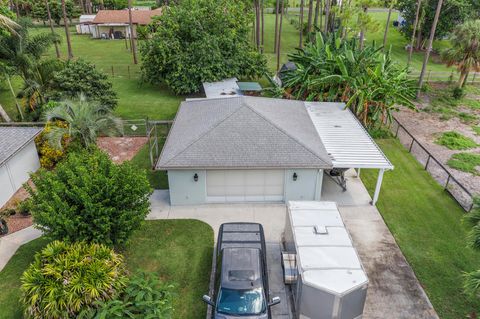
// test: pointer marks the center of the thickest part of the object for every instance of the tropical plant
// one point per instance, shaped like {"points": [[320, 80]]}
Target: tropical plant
{"points": [[145, 296], [85, 121], [472, 279], [81, 77], [66, 279], [7, 21], [89, 198], [464, 52], [50, 156], [200, 41], [368, 81]]}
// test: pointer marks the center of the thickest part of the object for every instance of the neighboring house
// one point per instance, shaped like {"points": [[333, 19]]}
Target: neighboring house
{"points": [[18, 158], [114, 24], [253, 149], [85, 24]]}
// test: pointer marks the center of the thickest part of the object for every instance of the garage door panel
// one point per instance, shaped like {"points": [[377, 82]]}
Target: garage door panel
{"points": [[245, 185]]}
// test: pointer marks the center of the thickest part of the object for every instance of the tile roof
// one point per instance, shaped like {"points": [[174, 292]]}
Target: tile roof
{"points": [[12, 139], [243, 132], [142, 17]]}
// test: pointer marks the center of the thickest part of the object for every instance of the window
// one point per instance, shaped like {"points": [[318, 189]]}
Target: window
{"points": [[241, 302]]}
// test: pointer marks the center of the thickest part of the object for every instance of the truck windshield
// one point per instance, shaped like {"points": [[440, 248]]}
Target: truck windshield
{"points": [[241, 302]]}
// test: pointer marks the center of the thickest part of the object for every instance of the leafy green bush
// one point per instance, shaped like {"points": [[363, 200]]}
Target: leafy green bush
{"points": [[455, 141], [466, 162], [200, 41], [472, 279], [89, 198], [144, 297], [82, 77], [458, 93], [67, 279]]}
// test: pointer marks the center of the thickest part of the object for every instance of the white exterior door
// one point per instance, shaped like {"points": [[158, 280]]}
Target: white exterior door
{"points": [[245, 185]]}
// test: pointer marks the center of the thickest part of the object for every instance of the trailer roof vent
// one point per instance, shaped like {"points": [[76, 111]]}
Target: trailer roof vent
{"points": [[320, 230]]}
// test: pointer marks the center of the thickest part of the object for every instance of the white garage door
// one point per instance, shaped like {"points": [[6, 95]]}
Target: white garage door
{"points": [[245, 185]]}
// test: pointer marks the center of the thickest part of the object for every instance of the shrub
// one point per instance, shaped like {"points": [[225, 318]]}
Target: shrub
{"points": [[49, 155], [466, 162], [89, 198], [455, 141], [66, 279], [81, 77], [25, 207], [458, 93], [144, 297], [198, 41]]}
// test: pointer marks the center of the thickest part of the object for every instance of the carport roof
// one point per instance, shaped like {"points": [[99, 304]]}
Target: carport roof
{"points": [[345, 138], [243, 132], [14, 138]]}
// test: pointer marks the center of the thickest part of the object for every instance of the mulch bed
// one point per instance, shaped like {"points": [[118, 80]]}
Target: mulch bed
{"points": [[119, 149]]}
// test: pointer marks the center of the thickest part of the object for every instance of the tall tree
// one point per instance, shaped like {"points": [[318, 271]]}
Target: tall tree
{"points": [[429, 47], [47, 5], [415, 25], [317, 13], [262, 13], [67, 32], [465, 49], [327, 15], [132, 35], [279, 40], [302, 4], [277, 8], [310, 17], [257, 23], [390, 9]]}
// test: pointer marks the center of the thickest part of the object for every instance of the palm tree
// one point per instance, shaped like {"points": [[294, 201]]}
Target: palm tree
{"points": [[317, 13], [132, 36], [9, 24], [47, 5], [302, 4], [85, 122], [67, 33], [310, 17], [465, 49], [415, 25], [279, 40], [429, 48], [390, 9], [277, 8], [327, 15]]}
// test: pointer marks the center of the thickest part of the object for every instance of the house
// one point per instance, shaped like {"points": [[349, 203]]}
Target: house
{"points": [[114, 24], [254, 149], [84, 25], [18, 158]]}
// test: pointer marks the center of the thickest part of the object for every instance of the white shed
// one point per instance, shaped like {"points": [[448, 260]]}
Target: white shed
{"points": [[85, 24], [18, 158]]}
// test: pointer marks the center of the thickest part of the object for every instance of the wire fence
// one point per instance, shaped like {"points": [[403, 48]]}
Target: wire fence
{"points": [[449, 77], [432, 165]]}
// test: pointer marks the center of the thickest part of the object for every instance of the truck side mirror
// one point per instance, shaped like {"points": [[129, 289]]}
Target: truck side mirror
{"points": [[275, 301], [208, 300]]}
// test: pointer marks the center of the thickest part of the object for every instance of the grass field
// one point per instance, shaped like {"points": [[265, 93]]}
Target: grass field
{"points": [[427, 225], [179, 251]]}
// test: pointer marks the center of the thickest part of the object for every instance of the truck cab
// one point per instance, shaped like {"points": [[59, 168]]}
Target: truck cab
{"points": [[241, 277]]}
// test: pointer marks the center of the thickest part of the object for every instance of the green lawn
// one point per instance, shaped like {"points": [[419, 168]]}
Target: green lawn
{"points": [[157, 179], [426, 223], [180, 251]]}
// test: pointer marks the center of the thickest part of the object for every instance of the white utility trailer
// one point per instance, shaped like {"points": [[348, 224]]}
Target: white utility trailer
{"points": [[321, 264]]}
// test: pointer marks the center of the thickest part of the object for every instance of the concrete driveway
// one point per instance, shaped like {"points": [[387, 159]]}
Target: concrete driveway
{"points": [[394, 291]]}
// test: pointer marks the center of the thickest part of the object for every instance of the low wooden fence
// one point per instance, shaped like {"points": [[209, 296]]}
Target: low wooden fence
{"points": [[437, 170]]}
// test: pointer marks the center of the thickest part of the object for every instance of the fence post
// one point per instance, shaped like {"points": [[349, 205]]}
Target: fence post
{"points": [[428, 161], [474, 76], [428, 77], [398, 129], [448, 180], [411, 145], [113, 74], [128, 67]]}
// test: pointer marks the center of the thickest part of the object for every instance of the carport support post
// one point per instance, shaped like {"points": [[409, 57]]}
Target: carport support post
{"points": [[378, 186]]}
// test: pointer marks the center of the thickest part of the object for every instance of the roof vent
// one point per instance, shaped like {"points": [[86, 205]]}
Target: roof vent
{"points": [[320, 230]]}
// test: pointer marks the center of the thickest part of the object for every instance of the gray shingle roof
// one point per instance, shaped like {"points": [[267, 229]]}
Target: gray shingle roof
{"points": [[12, 139], [243, 132]]}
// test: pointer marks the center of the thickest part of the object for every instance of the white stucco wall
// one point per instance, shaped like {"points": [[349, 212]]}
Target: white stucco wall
{"points": [[16, 171], [185, 191]]}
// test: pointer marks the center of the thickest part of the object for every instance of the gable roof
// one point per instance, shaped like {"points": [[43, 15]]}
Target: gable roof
{"points": [[142, 17], [243, 132], [13, 139]]}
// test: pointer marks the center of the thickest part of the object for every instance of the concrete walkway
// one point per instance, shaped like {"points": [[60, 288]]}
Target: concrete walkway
{"points": [[10, 243], [394, 291]]}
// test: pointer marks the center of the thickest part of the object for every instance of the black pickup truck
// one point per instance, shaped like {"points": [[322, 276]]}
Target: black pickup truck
{"points": [[241, 277]]}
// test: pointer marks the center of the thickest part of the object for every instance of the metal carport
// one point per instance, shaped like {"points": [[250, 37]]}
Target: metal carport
{"points": [[347, 141]]}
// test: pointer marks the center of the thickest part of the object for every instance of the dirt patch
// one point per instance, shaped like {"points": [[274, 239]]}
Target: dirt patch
{"points": [[426, 127], [121, 149]]}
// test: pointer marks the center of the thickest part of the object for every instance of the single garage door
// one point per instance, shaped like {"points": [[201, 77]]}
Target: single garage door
{"points": [[245, 185]]}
